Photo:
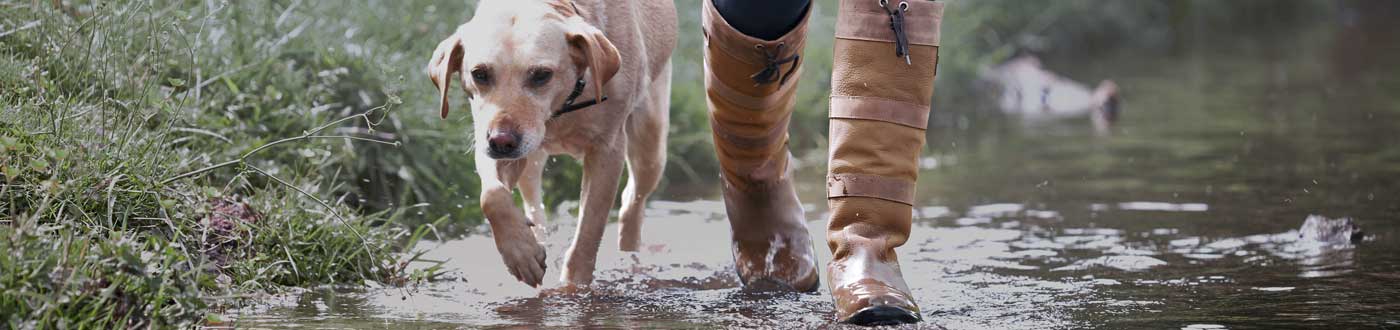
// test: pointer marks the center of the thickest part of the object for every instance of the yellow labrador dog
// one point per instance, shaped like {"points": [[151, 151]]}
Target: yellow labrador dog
{"points": [[586, 78]]}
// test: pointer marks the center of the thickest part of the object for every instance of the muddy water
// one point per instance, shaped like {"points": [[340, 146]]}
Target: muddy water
{"points": [[1186, 217]]}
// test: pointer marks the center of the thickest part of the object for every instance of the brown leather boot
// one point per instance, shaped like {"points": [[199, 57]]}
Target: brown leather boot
{"points": [[751, 86], [881, 91]]}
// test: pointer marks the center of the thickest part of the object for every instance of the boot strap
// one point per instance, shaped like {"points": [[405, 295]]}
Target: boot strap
{"points": [[769, 101], [880, 109], [869, 185]]}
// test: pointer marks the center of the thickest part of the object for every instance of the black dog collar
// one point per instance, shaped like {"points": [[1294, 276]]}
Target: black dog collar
{"points": [[570, 106]]}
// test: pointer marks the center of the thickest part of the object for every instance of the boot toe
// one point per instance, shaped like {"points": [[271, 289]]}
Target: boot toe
{"points": [[796, 276], [873, 293], [789, 267]]}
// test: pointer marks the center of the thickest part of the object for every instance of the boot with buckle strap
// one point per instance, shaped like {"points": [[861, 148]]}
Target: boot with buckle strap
{"points": [[751, 87], [881, 92]]}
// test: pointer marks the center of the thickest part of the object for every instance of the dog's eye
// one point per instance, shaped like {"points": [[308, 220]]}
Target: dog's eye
{"points": [[481, 76], [539, 77]]}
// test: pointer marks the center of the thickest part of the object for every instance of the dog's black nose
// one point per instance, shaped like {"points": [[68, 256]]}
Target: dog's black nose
{"points": [[503, 143]]}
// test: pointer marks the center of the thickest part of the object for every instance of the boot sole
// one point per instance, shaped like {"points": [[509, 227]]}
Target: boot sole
{"points": [[882, 315]]}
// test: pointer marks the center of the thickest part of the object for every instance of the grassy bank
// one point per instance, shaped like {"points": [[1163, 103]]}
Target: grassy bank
{"points": [[158, 155]]}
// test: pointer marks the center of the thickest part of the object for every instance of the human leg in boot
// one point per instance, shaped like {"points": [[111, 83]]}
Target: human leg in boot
{"points": [[751, 85]]}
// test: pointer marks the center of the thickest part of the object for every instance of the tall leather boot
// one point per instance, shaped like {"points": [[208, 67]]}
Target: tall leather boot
{"points": [[751, 86], [881, 91]]}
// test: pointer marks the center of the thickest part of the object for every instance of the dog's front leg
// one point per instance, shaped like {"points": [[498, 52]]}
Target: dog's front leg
{"points": [[523, 255], [601, 171]]}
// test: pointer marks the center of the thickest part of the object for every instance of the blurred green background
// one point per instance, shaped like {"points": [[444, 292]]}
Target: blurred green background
{"points": [[273, 69], [385, 44]]}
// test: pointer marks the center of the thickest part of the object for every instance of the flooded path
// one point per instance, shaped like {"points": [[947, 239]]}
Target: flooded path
{"points": [[995, 266], [1186, 217]]}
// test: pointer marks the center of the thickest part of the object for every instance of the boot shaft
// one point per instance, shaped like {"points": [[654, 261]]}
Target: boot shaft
{"points": [[886, 58], [751, 87]]}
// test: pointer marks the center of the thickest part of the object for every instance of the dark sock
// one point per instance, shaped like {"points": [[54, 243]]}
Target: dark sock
{"points": [[763, 19]]}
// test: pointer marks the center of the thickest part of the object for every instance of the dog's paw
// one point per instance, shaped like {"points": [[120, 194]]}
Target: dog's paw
{"points": [[524, 257]]}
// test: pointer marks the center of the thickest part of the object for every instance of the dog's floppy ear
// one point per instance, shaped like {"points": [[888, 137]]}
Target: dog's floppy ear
{"points": [[447, 60], [590, 49]]}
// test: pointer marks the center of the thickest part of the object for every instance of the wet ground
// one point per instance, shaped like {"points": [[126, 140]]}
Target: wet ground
{"points": [[1185, 217]]}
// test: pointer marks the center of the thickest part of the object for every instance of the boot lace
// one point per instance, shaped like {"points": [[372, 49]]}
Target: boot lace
{"points": [[773, 65], [901, 40]]}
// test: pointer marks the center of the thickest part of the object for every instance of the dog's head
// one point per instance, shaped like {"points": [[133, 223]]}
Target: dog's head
{"points": [[519, 61]]}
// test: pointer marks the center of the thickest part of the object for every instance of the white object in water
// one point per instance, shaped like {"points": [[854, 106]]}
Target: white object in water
{"points": [[1030, 91]]}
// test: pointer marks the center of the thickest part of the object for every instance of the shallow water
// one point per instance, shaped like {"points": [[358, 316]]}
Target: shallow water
{"points": [[1185, 217], [991, 266]]}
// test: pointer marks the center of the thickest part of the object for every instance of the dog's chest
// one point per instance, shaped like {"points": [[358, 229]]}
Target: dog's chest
{"points": [[576, 133]]}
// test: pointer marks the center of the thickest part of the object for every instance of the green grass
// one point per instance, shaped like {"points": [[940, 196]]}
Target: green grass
{"points": [[158, 155], [129, 130]]}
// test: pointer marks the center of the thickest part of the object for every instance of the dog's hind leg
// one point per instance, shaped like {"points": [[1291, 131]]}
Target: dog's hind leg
{"points": [[532, 192], [646, 159]]}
